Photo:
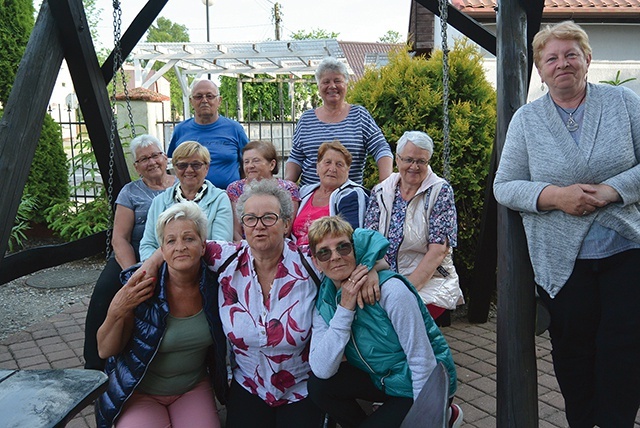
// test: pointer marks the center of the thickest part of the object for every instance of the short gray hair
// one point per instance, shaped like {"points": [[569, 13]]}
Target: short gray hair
{"points": [[187, 210], [418, 138], [142, 141], [331, 64], [197, 82], [267, 187]]}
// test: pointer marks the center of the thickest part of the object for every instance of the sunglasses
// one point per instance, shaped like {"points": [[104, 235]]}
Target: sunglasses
{"points": [[184, 165], [324, 254]]}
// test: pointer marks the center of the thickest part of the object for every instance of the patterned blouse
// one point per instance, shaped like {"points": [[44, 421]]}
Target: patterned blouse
{"points": [[443, 222], [269, 342]]}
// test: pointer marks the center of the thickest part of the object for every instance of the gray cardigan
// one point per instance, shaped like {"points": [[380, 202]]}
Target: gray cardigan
{"points": [[539, 151]]}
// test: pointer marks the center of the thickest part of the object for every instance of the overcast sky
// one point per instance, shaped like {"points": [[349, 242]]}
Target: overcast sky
{"points": [[251, 20]]}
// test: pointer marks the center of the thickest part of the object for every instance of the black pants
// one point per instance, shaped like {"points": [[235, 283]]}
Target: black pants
{"points": [[106, 287], [337, 396], [595, 334], [247, 410]]}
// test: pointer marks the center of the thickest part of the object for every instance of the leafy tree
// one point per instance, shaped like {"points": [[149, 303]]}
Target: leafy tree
{"points": [[47, 181], [16, 22], [167, 31], [314, 33], [391, 37], [406, 95]]}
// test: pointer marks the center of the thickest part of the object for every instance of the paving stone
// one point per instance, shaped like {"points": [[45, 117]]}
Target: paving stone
{"points": [[61, 355]]}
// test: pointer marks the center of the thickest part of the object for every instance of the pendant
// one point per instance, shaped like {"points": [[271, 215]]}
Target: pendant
{"points": [[571, 124]]}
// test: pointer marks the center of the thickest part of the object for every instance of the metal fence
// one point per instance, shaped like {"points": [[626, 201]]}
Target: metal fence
{"points": [[84, 176], [85, 180], [279, 132]]}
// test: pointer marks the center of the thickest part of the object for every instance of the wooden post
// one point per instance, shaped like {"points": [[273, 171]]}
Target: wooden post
{"points": [[517, 397], [21, 123]]}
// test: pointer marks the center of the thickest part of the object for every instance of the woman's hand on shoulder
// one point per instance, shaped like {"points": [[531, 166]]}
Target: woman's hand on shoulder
{"points": [[138, 288], [369, 291], [351, 288]]}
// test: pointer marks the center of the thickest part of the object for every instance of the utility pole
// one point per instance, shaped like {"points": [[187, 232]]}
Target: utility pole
{"points": [[277, 18]]}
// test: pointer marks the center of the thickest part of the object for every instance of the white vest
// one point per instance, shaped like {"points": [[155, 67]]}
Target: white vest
{"points": [[443, 289]]}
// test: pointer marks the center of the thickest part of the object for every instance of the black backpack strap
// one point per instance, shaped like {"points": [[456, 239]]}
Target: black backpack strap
{"points": [[312, 273]]}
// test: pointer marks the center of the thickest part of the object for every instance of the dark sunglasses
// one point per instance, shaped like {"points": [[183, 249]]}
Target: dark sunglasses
{"points": [[324, 254], [184, 165]]}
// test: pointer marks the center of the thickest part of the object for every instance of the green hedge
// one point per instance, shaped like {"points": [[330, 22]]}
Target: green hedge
{"points": [[406, 94], [48, 180]]}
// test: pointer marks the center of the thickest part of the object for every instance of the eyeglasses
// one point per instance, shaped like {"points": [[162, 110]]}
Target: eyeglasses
{"points": [[184, 165], [146, 159], [268, 219], [208, 97], [409, 161], [324, 254]]}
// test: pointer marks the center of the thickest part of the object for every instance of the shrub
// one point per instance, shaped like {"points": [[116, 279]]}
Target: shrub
{"points": [[406, 94], [27, 206], [48, 180]]}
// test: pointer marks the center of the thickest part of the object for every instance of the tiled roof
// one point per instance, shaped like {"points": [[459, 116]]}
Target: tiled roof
{"points": [[142, 94], [561, 9], [360, 53]]}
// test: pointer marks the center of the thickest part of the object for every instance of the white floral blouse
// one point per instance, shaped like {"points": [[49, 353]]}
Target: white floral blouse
{"points": [[269, 342]]}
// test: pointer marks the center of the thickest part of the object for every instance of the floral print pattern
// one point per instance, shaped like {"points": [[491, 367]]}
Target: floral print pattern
{"points": [[269, 335], [442, 222]]}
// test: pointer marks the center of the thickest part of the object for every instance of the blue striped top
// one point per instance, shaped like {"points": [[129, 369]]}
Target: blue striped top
{"points": [[358, 132]]}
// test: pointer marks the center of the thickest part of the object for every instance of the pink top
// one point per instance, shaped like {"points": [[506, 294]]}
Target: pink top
{"points": [[270, 342], [307, 215]]}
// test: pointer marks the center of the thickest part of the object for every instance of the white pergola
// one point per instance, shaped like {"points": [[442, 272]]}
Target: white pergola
{"points": [[284, 61]]}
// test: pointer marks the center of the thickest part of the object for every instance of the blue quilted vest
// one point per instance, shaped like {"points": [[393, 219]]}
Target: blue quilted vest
{"points": [[127, 368]]}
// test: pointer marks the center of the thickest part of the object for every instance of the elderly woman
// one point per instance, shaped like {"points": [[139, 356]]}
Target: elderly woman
{"points": [[266, 299], [570, 166], [335, 194], [415, 210], [191, 163], [260, 161], [391, 347], [165, 344], [336, 120], [132, 205]]}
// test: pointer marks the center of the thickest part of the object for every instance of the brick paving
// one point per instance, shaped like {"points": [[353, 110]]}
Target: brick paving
{"points": [[56, 343]]}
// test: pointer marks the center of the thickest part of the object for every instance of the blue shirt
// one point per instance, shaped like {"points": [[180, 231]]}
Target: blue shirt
{"points": [[224, 138]]}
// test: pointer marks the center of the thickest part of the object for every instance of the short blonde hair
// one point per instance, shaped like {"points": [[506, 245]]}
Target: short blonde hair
{"points": [[190, 148], [187, 210], [565, 30], [327, 226], [338, 147]]}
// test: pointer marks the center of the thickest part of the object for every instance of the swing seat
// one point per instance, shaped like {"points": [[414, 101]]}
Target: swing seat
{"points": [[431, 408]]}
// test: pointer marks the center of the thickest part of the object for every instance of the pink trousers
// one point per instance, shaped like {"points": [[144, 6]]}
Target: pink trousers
{"points": [[195, 408]]}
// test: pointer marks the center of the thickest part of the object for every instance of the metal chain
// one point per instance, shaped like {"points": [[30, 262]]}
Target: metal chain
{"points": [[446, 152], [117, 59]]}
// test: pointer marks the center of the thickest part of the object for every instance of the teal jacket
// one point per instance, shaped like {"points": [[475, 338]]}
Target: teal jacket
{"points": [[374, 346]]}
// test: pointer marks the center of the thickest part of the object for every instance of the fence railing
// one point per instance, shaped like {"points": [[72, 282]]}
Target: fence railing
{"points": [[84, 176]]}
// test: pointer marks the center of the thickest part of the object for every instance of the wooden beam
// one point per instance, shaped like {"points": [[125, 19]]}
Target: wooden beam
{"points": [[91, 89], [466, 25], [134, 34], [23, 117], [32, 260], [517, 397]]}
